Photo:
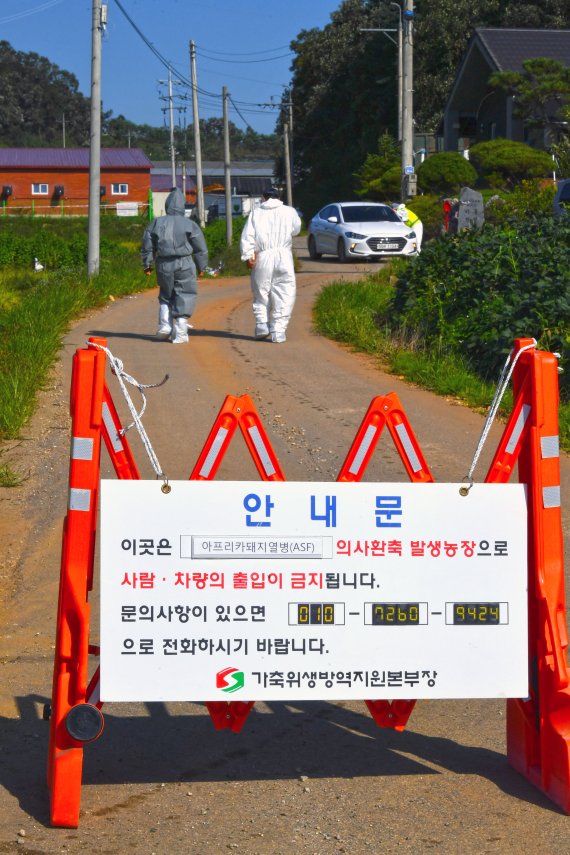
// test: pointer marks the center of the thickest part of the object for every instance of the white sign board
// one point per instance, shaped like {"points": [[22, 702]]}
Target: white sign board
{"points": [[277, 591], [127, 209]]}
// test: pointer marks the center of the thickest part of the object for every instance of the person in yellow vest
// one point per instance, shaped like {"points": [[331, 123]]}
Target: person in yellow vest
{"points": [[413, 221]]}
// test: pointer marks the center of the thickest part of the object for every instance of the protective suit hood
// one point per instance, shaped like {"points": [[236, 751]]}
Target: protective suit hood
{"points": [[267, 204], [175, 202]]}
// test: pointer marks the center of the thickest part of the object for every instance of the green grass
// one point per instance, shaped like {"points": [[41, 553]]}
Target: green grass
{"points": [[34, 325], [8, 477], [37, 309]]}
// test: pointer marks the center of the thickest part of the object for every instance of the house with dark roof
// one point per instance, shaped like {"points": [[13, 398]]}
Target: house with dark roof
{"points": [[248, 178], [56, 180], [475, 110]]}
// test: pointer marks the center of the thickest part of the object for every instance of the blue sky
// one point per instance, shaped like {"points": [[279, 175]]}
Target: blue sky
{"points": [[241, 44]]}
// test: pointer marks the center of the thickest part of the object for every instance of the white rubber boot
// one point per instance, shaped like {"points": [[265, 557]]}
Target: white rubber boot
{"points": [[164, 322], [180, 331], [261, 331]]}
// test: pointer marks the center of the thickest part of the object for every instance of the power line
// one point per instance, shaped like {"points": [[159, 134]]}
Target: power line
{"points": [[252, 53], [245, 61], [184, 80], [41, 8]]}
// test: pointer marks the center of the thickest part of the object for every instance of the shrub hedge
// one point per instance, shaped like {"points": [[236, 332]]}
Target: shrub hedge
{"points": [[503, 163], [446, 172], [476, 292]]}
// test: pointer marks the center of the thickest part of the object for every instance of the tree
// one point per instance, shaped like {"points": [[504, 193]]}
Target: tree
{"points": [[35, 97], [344, 81], [542, 93], [344, 87], [375, 178]]}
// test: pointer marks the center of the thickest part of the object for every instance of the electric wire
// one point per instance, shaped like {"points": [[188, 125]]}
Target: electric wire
{"points": [[252, 53], [246, 61], [27, 12], [251, 108]]}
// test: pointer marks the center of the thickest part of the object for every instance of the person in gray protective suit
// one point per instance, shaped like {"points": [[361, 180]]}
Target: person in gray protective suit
{"points": [[177, 247]]}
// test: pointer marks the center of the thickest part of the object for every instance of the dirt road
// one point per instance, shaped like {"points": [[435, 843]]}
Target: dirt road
{"points": [[316, 778]]}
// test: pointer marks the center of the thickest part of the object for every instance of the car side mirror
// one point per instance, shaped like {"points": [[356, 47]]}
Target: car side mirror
{"points": [[332, 219]]}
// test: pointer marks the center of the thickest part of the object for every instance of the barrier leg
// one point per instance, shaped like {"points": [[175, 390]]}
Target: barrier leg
{"points": [[217, 443], [65, 753], [235, 411], [386, 411]]}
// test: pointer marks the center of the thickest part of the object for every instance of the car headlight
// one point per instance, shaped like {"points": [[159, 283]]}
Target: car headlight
{"points": [[354, 236], [411, 235]]}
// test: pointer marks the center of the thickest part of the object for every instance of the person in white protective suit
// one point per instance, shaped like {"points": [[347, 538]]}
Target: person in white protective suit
{"points": [[176, 245], [266, 247]]}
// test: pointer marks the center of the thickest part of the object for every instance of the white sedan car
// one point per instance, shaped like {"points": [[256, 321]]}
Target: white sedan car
{"points": [[352, 230]]}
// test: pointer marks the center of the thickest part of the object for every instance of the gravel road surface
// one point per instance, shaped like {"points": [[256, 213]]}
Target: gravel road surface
{"points": [[318, 778]]}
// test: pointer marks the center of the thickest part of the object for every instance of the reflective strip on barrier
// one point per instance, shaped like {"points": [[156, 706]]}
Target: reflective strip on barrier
{"points": [[408, 447], [112, 432], [518, 429], [213, 453], [551, 497], [549, 446], [94, 694], [79, 500], [81, 448], [261, 450], [362, 451]]}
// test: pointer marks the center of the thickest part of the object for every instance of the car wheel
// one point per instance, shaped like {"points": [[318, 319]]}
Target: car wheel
{"points": [[341, 252], [313, 249]]}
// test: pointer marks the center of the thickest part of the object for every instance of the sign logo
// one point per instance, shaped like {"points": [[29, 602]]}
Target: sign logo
{"points": [[230, 680]]}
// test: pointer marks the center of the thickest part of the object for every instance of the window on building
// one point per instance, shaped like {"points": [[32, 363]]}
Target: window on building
{"points": [[120, 189], [40, 189]]}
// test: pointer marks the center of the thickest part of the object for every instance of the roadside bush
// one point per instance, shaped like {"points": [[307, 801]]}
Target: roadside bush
{"points": [[504, 163], [445, 173], [476, 292], [61, 243], [215, 235], [528, 198]]}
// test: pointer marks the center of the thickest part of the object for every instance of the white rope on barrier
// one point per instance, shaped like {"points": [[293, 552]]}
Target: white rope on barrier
{"points": [[118, 370], [495, 403]]}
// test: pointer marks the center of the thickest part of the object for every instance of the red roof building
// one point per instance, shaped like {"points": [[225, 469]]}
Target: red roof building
{"points": [[56, 180]]}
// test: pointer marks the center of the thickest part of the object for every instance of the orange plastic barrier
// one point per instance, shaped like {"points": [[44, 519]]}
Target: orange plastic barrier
{"points": [[538, 728]]}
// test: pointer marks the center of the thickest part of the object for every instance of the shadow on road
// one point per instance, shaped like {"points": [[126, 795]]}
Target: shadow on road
{"points": [[194, 333], [320, 740]]}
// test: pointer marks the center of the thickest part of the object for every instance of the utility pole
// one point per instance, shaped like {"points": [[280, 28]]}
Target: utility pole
{"points": [[287, 159], [290, 143], [197, 148], [227, 174], [409, 181], [171, 123], [170, 108], [63, 128], [98, 21]]}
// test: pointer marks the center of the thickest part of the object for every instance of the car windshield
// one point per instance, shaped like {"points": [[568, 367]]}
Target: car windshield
{"points": [[369, 214]]}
